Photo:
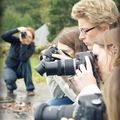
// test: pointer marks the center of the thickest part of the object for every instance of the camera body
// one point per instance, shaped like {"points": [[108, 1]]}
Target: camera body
{"points": [[23, 35], [89, 107], [68, 66], [51, 66]]}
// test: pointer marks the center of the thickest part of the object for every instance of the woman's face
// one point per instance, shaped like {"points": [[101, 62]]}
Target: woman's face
{"points": [[103, 61], [88, 32], [28, 39], [66, 49]]}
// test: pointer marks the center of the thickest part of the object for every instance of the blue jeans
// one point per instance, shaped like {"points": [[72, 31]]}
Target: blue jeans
{"points": [[12, 74], [60, 101]]}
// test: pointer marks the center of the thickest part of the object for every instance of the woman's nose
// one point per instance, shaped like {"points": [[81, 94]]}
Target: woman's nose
{"points": [[82, 36]]}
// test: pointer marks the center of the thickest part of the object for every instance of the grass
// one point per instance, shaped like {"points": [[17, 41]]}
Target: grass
{"points": [[34, 63], [1, 63]]}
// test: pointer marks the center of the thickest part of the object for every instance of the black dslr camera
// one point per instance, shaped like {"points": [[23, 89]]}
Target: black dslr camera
{"points": [[90, 107], [23, 35], [51, 66]]}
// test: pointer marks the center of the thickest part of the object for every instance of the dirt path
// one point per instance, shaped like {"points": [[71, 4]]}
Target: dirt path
{"points": [[21, 107]]}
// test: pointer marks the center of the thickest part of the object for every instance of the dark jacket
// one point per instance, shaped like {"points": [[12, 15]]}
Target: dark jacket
{"points": [[18, 53]]}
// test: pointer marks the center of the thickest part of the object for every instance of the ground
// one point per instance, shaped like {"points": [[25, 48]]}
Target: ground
{"points": [[22, 107]]}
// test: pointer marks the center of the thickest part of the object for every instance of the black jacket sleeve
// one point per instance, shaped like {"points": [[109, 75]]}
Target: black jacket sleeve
{"points": [[9, 37], [26, 51]]}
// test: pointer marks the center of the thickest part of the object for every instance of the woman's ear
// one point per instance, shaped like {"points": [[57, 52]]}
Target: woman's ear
{"points": [[106, 27], [113, 50]]}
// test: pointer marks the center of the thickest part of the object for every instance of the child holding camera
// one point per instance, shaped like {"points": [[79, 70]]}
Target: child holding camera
{"points": [[17, 64]]}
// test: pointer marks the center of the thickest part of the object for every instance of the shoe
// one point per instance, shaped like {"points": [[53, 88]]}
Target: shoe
{"points": [[10, 92], [30, 93]]}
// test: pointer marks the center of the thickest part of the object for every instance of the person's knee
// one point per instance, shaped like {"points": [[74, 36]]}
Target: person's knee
{"points": [[9, 75]]}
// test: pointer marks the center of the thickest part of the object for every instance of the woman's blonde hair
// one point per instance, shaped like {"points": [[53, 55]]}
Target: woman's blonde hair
{"points": [[98, 12]]}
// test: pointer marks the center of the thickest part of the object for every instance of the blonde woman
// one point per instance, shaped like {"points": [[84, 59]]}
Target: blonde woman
{"points": [[94, 17]]}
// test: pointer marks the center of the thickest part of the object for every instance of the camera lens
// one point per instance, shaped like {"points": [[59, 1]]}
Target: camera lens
{"points": [[86, 109], [46, 112], [60, 67], [23, 34]]}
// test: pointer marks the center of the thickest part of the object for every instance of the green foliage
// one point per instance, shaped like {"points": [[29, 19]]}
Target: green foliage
{"points": [[44, 10], [10, 20], [28, 21], [1, 65], [34, 13], [4, 48], [16, 13], [56, 13], [41, 48], [36, 18], [60, 16], [118, 4]]}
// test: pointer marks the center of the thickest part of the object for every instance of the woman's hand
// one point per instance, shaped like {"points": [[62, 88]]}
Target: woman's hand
{"points": [[84, 75], [61, 55], [27, 40], [21, 29]]}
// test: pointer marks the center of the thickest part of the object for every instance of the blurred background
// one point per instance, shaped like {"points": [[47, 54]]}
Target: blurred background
{"points": [[47, 17]]}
